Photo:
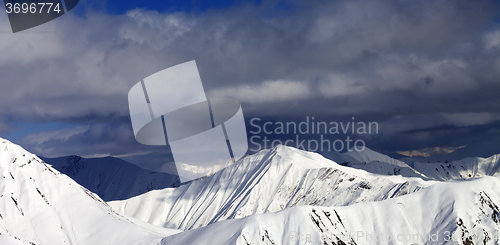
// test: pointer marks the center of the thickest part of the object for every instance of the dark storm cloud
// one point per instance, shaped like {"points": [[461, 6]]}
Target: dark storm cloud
{"points": [[115, 138], [372, 59]]}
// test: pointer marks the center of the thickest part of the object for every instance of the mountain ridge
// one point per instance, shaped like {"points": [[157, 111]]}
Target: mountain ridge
{"points": [[461, 213], [467, 168], [374, 162], [268, 181]]}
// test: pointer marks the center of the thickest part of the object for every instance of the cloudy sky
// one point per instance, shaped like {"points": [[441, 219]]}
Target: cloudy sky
{"points": [[427, 71]]}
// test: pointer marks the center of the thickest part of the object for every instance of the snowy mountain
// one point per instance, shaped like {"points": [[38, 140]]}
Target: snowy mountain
{"points": [[112, 178], [374, 162], [462, 213], [268, 181], [471, 167], [39, 205], [277, 196]]}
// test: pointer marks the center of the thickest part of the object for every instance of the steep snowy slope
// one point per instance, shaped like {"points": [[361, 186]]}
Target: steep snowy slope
{"points": [[8, 240], [39, 205], [462, 213], [112, 178], [471, 167], [368, 155], [374, 162], [268, 181]]}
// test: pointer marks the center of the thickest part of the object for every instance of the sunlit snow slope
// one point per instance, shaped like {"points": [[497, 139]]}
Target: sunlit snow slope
{"points": [[374, 162], [462, 213], [467, 168], [112, 178], [39, 205], [268, 181]]}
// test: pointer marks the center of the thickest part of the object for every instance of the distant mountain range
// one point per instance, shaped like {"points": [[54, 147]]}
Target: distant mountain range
{"points": [[112, 178], [468, 168], [374, 162], [115, 179]]}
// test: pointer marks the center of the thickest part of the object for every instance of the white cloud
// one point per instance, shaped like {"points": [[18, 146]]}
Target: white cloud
{"points": [[268, 91], [492, 39]]}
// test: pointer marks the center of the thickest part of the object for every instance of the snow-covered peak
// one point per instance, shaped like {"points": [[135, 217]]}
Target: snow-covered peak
{"points": [[348, 162], [301, 159], [39, 205], [268, 181]]}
